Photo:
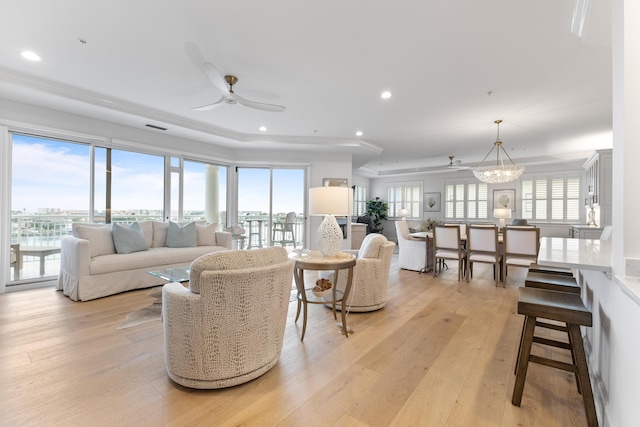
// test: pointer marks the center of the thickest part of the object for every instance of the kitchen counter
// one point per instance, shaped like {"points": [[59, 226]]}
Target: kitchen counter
{"points": [[583, 254]]}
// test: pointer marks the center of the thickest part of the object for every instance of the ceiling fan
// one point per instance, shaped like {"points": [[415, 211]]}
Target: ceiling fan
{"points": [[228, 95], [456, 164]]}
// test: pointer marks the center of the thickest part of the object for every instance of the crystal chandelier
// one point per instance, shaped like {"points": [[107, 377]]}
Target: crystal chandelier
{"points": [[498, 173]]}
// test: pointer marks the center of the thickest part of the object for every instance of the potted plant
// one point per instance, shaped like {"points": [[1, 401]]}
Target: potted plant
{"points": [[377, 210]]}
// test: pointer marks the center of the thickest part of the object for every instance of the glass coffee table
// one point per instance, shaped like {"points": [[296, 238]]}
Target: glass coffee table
{"points": [[179, 274]]}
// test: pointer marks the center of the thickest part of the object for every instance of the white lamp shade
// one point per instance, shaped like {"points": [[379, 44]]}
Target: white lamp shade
{"points": [[329, 201], [502, 213], [403, 213]]}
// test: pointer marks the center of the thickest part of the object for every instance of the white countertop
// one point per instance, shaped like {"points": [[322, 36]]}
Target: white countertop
{"points": [[584, 254]]}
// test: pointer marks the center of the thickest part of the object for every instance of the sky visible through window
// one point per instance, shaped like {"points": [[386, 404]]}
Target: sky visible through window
{"points": [[48, 175]]}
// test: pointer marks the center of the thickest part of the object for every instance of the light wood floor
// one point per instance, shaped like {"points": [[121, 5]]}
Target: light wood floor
{"points": [[441, 353]]}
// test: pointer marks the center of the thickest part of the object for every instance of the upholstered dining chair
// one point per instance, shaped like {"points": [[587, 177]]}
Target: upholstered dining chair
{"points": [[446, 244], [370, 275], [286, 229], [482, 246], [411, 252], [521, 247], [227, 327]]}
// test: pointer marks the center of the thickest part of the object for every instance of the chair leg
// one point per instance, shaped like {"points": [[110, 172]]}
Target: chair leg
{"points": [[523, 359], [583, 373]]}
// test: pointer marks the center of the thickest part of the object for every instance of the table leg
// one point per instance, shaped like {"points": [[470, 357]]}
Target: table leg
{"points": [[302, 299], [345, 329]]}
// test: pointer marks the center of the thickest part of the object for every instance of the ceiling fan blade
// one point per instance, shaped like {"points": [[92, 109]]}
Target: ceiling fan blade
{"points": [[216, 78], [210, 106], [258, 105]]}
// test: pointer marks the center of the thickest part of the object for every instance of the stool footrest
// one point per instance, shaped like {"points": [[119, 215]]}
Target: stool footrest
{"points": [[546, 325], [553, 363], [552, 343]]}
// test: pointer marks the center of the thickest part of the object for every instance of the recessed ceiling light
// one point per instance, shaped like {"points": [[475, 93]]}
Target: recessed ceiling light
{"points": [[263, 128], [385, 95], [31, 56], [359, 133]]}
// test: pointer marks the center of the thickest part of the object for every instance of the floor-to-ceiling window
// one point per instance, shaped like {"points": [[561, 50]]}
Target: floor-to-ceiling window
{"points": [[205, 193], [56, 182], [265, 196], [50, 188]]}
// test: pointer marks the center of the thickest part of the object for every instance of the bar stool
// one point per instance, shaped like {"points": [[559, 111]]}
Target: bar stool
{"points": [[552, 282], [564, 307], [550, 270]]}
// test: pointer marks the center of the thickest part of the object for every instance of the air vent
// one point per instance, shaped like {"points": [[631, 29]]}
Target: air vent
{"points": [[155, 127]]}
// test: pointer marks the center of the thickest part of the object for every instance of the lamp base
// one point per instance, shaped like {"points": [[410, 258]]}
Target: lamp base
{"points": [[329, 236]]}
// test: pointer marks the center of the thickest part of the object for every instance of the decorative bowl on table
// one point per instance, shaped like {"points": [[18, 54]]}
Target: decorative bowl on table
{"points": [[322, 288]]}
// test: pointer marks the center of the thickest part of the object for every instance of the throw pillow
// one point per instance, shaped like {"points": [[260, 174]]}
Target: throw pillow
{"points": [[99, 238], [371, 245], [159, 234], [185, 236], [128, 239], [206, 234]]}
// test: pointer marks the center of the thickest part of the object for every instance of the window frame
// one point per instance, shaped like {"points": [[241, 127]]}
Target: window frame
{"points": [[549, 198], [465, 200], [400, 190]]}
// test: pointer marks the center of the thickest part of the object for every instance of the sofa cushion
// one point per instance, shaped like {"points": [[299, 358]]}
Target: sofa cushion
{"points": [[147, 229], [159, 234], [99, 238], [206, 234], [185, 236], [371, 245], [153, 259], [128, 239]]}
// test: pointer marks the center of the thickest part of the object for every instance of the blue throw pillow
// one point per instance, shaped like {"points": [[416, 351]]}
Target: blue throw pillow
{"points": [[128, 239], [185, 236]]}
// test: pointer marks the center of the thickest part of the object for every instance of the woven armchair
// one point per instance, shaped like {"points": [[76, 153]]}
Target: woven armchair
{"points": [[370, 275], [227, 328]]}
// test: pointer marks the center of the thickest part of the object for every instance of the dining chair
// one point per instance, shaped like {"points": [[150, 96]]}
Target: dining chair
{"points": [[446, 243], [411, 252], [521, 247], [482, 246]]}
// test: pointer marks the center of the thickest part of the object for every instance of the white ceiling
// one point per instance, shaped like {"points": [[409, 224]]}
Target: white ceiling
{"points": [[453, 67]]}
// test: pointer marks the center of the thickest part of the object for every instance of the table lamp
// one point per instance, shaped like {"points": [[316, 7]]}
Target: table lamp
{"points": [[329, 201], [404, 213], [502, 213]]}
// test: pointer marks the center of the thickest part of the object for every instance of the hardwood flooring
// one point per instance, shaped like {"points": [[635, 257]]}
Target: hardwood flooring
{"points": [[441, 353]]}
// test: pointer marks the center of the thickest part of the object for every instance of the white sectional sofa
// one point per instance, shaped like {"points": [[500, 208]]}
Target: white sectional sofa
{"points": [[91, 266]]}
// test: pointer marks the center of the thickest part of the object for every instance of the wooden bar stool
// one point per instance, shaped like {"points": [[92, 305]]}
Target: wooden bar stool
{"points": [[550, 270], [564, 307], [552, 282]]}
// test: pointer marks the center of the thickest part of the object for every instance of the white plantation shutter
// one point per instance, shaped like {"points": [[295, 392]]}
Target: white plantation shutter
{"points": [[466, 200], [555, 199], [405, 196]]}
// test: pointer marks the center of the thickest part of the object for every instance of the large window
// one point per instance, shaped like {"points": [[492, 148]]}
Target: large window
{"points": [[404, 196], [359, 200], [466, 200], [56, 182], [555, 199]]}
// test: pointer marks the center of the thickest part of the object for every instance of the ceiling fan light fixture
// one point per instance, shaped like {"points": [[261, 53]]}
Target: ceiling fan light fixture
{"points": [[500, 172]]}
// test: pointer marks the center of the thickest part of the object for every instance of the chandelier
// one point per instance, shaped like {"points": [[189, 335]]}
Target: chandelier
{"points": [[500, 172]]}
